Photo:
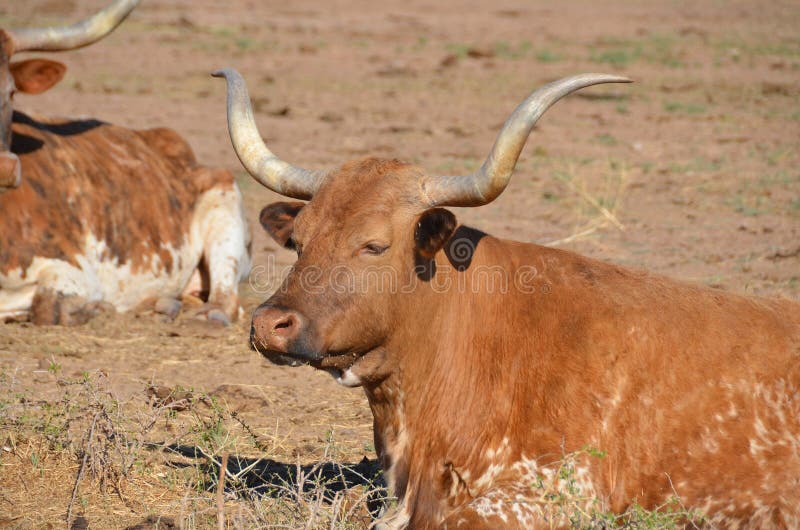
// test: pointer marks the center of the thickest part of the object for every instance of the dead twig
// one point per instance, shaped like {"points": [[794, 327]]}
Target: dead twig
{"points": [[596, 205], [81, 470], [221, 492], [592, 228]]}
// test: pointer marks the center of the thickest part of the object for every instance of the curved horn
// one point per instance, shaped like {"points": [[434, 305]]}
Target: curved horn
{"points": [[256, 158], [75, 36], [488, 182]]}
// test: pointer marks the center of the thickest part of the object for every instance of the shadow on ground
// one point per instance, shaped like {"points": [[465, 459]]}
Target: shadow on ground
{"points": [[267, 477]]}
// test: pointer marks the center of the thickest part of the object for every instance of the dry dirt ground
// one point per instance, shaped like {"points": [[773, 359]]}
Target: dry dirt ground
{"points": [[692, 171]]}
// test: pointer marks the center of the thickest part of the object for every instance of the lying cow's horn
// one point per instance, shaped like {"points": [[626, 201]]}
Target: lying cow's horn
{"points": [[75, 36], [257, 159], [489, 181]]}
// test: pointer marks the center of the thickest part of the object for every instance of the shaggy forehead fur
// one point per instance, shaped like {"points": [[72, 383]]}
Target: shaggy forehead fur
{"points": [[366, 187]]}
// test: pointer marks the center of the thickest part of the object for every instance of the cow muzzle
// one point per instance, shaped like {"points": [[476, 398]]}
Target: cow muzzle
{"points": [[283, 336], [10, 171]]}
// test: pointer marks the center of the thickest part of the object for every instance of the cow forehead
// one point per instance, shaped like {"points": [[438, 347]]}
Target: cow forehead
{"points": [[362, 194], [371, 179]]}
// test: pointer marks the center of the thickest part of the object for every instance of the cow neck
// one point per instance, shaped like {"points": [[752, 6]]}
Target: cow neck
{"points": [[432, 425]]}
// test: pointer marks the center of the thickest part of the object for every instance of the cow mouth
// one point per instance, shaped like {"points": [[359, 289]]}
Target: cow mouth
{"points": [[332, 362]]}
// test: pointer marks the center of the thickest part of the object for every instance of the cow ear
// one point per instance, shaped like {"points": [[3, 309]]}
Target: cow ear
{"points": [[278, 220], [434, 228], [34, 76]]}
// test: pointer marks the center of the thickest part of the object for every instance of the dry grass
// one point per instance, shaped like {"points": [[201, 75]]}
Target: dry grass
{"points": [[599, 199], [162, 459]]}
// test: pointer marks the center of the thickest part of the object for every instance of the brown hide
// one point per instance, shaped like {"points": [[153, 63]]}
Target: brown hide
{"points": [[135, 190], [672, 380], [504, 352]]}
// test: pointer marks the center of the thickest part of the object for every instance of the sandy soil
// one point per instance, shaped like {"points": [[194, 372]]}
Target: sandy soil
{"points": [[696, 162]]}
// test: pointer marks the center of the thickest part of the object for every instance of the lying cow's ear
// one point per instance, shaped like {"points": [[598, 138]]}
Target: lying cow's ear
{"points": [[278, 220], [434, 228], [34, 76]]}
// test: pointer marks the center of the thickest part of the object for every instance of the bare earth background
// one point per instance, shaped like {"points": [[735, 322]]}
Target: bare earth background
{"points": [[693, 171]]}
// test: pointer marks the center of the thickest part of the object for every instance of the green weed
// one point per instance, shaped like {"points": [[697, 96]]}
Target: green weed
{"points": [[548, 56], [684, 107], [653, 48]]}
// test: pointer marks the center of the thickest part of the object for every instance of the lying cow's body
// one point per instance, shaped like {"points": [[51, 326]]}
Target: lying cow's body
{"points": [[486, 362], [105, 213], [691, 391], [95, 213]]}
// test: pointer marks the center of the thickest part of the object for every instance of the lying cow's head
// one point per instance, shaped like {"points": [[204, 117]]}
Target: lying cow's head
{"points": [[371, 215], [34, 76]]}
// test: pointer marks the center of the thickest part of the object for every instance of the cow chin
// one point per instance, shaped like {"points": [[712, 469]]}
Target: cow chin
{"points": [[281, 359], [338, 365], [296, 354]]}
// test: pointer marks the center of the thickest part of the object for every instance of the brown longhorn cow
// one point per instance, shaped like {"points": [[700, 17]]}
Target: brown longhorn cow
{"points": [[98, 214], [485, 361]]}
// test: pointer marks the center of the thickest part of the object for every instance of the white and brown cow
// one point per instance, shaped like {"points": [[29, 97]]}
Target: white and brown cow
{"points": [[95, 213], [477, 390]]}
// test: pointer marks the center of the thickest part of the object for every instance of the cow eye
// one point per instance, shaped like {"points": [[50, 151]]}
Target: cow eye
{"points": [[374, 249]]}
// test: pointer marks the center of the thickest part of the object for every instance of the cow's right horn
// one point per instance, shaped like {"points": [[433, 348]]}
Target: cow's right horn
{"points": [[258, 160], [75, 36], [488, 182]]}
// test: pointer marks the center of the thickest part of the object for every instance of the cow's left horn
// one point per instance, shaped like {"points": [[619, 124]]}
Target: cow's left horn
{"points": [[75, 36], [489, 181], [257, 159]]}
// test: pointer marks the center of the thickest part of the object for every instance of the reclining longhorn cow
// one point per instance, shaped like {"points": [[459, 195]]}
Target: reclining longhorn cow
{"points": [[477, 392], [100, 214]]}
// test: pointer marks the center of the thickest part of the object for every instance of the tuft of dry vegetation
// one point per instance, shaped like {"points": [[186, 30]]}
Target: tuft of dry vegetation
{"points": [[165, 458]]}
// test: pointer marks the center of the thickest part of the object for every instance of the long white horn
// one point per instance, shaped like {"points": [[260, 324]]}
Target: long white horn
{"points": [[488, 182], [75, 36], [257, 159]]}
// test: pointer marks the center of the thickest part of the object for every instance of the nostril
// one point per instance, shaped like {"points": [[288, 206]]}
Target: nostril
{"points": [[287, 323], [275, 328], [285, 326]]}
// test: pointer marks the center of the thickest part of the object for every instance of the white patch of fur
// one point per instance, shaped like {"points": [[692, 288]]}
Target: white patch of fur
{"points": [[348, 379], [774, 430], [488, 476], [523, 484], [493, 504], [395, 447], [499, 452], [220, 231]]}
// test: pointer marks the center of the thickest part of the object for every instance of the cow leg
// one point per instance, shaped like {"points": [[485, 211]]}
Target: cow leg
{"points": [[167, 306], [50, 307], [62, 297], [225, 241]]}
